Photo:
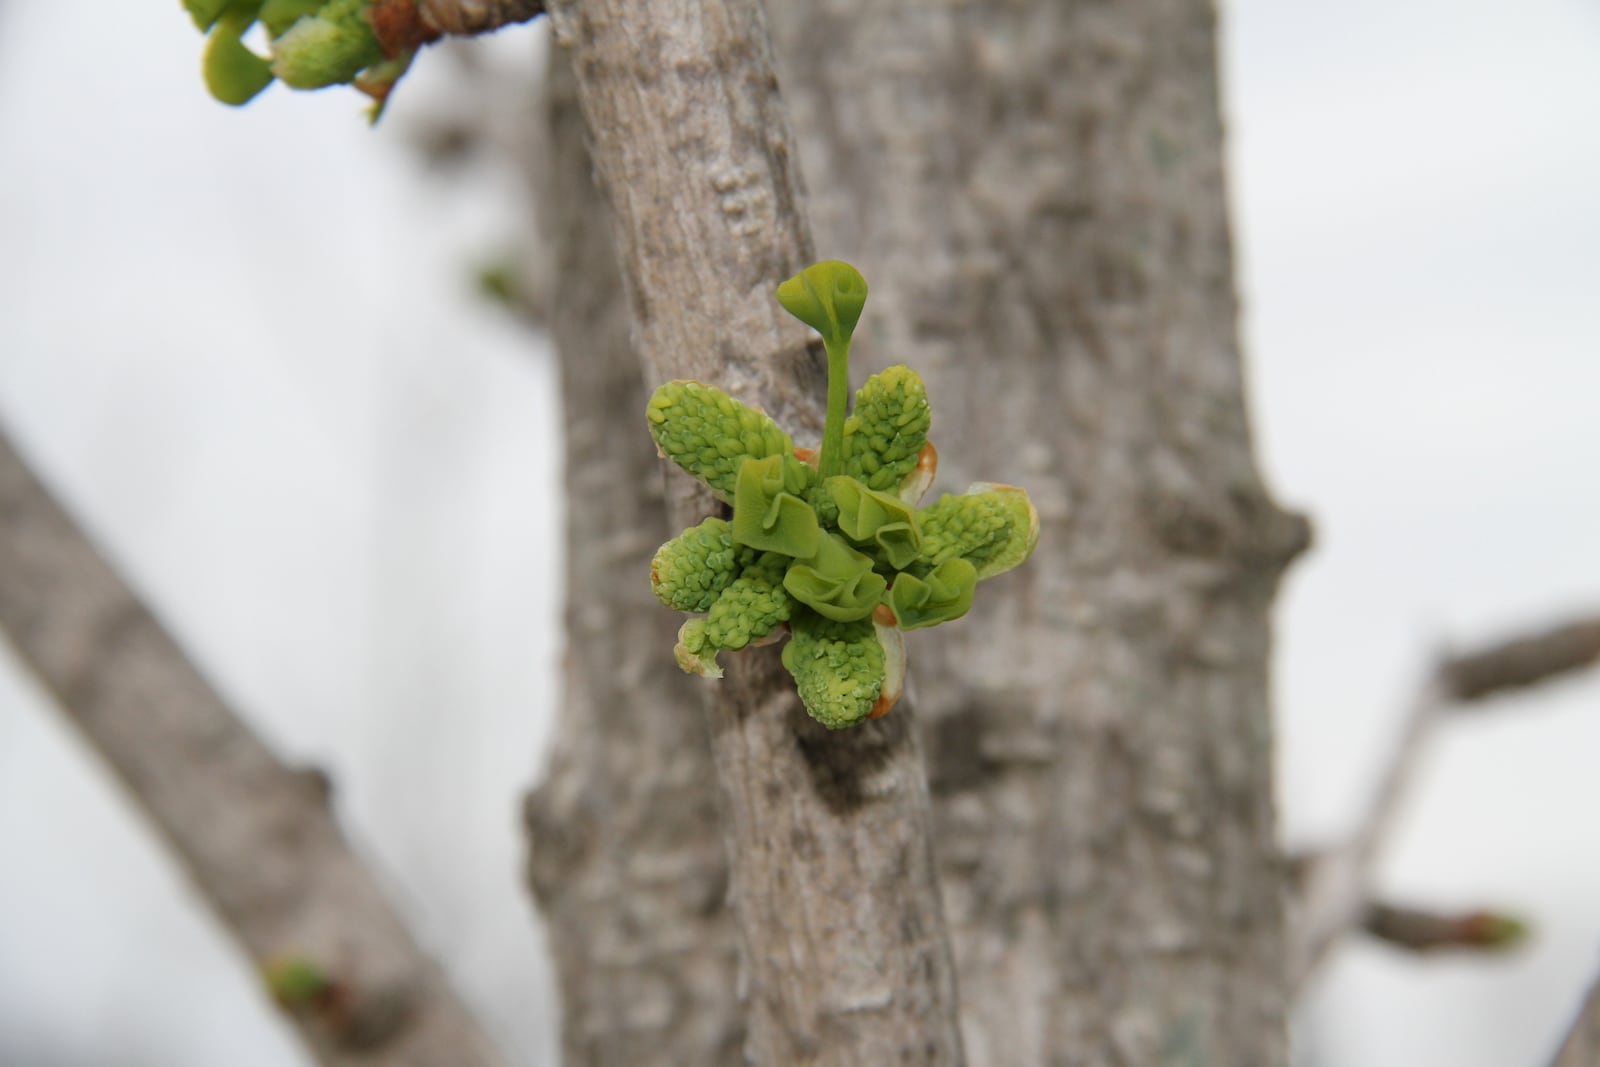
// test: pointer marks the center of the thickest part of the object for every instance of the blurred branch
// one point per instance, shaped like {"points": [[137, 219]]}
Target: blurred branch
{"points": [[257, 837], [1581, 1048], [1337, 881], [1417, 930], [1523, 661], [467, 17]]}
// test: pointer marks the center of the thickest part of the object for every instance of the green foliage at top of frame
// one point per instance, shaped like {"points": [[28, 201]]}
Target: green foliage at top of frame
{"points": [[827, 545], [311, 44]]}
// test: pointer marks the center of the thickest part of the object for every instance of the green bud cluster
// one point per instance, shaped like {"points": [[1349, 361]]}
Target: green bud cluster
{"points": [[313, 43], [829, 544]]}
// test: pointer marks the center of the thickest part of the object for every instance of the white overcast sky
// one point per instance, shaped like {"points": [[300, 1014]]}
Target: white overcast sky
{"points": [[243, 346]]}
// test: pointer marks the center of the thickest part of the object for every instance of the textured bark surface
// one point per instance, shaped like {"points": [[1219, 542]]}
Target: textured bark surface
{"points": [[1581, 1047], [475, 16], [257, 837], [845, 958], [1035, 193], [626, 859]]}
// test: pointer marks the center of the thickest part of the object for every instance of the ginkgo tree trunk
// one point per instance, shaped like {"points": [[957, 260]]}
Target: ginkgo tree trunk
{"points": [[1035, 192]]}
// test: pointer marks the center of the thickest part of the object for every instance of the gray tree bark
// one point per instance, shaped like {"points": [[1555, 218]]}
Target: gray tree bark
{"points": [[626, 860], [844, 958], [1035, 192], [257, 838]]}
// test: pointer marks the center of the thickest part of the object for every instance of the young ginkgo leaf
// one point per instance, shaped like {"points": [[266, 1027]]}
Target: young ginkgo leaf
{"points": [[837, 583], [278, 15], [205, 12], [768, 512], [828, 297], [944, 593], [233, 73], [886, 521]]}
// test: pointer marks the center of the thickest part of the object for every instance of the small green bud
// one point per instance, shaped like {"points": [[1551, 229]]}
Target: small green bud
{"points": [[694, 653], [295, 981], [330, 48], [278, 15], [828, 297], [1489, 930], [710, 434]]}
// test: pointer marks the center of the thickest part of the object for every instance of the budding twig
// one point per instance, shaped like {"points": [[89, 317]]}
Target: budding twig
{"points": [[1337, 881]]}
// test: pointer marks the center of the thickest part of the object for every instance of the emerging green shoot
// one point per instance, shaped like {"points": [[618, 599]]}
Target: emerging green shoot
{"points": [[312, 44], [829, 545]]}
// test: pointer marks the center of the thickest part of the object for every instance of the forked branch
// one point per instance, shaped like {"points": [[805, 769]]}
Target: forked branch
{"points": [[1337, 883]]}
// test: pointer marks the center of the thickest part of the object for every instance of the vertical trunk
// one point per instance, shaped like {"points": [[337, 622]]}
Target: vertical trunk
{"points": [[845, 959], [1035, 191], [626, 862]]}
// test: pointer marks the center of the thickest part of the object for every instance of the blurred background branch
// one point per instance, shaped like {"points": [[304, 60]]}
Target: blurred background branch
{"points": [[475, 16], [1581, 1047], [257, 838], [1337, 881]]}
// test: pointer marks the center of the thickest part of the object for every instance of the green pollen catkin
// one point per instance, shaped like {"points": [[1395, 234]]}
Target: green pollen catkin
{"points": [[692, 569], [974, 528], [884, 435], [752, 606], [710, 434], [838, 668]]}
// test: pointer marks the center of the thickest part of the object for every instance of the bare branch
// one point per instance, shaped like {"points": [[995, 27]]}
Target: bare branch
{"points": [[845, 953], [1417, 930], [1337, 881], [1581, 1047], [257, 837], [465, 17], [1523, 661]]}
